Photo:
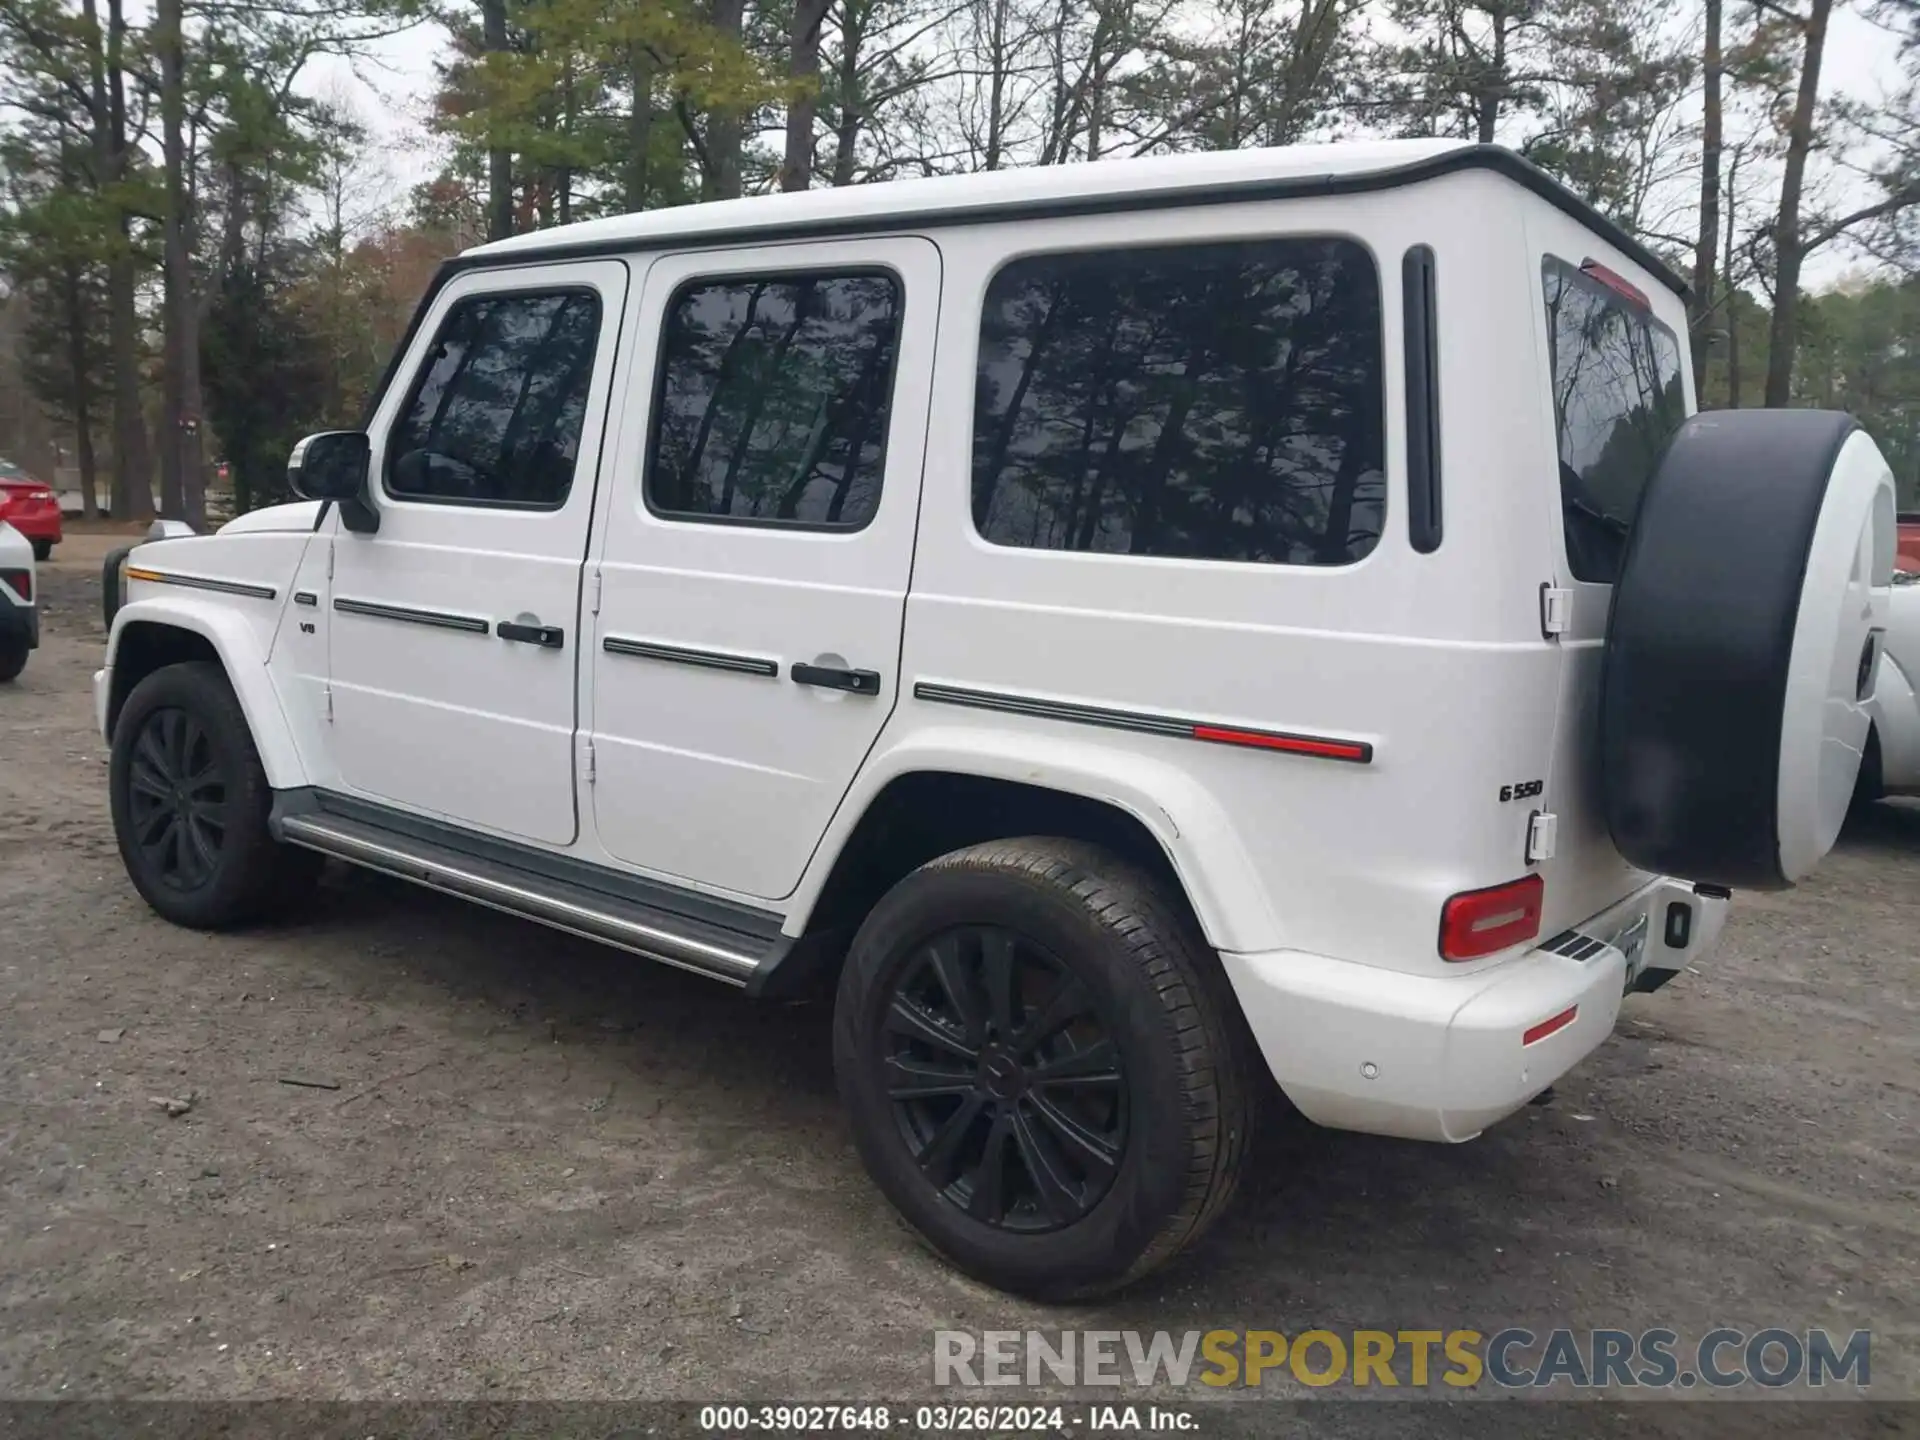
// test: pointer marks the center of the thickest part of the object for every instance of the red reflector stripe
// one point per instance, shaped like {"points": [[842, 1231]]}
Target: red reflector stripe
{"points": [[20, 582], [1550, 1026], [1293, 744], [1357, 752]]}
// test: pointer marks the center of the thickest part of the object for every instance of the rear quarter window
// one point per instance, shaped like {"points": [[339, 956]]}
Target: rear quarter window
{"points": [[1617, 399], [1217, 401]]}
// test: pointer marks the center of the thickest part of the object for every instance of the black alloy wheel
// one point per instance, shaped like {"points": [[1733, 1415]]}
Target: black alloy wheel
{"points": [[1003, 1078], [177, 798]]}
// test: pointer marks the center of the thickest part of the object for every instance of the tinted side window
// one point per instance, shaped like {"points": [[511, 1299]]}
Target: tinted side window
{"points": [[1617, 401], [774, 399], [495, 417], [1210, 402]]}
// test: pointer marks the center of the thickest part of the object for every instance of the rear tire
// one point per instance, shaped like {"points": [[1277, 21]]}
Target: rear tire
{"points": [[190, 803], [43, 550], [13, 658], [1048, 1157]]}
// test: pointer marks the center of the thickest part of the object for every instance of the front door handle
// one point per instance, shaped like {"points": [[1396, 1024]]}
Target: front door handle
{"points": [[547, 637], [830, 677]]}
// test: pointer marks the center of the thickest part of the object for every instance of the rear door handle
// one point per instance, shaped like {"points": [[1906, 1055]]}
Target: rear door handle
{"points": [[547, 637], [828, 677]]}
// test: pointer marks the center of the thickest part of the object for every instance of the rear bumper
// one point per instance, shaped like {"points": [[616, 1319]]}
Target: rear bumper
{"points": [[1441, 1057]]}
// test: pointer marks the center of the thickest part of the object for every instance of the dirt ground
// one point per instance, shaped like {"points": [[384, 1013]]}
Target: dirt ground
{"points": [[550, 1170]]}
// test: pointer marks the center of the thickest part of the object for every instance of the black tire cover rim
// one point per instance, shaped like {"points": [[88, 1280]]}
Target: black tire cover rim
{"points": [[177, 799], [1006, 1085]]}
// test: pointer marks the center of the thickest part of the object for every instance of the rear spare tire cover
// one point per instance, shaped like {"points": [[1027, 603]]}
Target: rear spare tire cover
{"points": [[1742, 646]]}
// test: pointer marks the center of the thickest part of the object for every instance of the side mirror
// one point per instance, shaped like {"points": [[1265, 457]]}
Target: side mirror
{"points": [[333, 466], [330, 466]]}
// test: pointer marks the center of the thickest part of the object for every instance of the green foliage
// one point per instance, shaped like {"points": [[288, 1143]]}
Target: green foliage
{"points": [[563, 97], [602, 106], [1860, 352], [265, 383]]}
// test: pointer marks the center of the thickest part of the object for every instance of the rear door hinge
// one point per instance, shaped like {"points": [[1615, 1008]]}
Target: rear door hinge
{"points": [[326, 694], [1543, 835], [1556, 610], [592, 769], [329, 560], [599, 583]]}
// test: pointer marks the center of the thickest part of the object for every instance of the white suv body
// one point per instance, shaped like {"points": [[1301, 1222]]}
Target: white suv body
{"points": [[1200, 509]]}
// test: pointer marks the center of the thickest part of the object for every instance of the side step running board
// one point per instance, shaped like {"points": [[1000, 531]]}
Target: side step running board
{"points": [[701, 946]]}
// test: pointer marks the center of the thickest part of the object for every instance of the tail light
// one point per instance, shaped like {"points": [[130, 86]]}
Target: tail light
{"points": [[1479, 922], [20, 582]]}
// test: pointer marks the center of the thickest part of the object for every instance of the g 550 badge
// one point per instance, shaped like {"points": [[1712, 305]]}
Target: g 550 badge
{"points": [[1525, 790]]}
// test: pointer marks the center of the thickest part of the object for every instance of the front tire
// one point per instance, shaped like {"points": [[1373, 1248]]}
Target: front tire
{"points": [[1038, 1056], [190, 803], [43, 550]]}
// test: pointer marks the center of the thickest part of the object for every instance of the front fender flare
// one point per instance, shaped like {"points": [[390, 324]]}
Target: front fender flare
{"points": [[236, 640], [1219, 877]]}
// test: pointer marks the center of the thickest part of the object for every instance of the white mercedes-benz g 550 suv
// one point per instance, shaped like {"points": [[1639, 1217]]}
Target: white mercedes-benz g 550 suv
{"points": [[1122, 623]]}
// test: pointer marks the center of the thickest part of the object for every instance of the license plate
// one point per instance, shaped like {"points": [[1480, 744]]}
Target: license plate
{"points": [[1632, 943]]}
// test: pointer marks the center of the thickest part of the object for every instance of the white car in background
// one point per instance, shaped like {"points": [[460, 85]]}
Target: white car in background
{"points": [[19, 619], [1891, 765]]}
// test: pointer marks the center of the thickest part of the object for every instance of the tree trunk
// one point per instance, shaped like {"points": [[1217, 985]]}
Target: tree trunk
{"points": [[80, 363], [1726, 279], [1784, 332], [569, 119], [493, 39], [803, 67], [997, 87], [639, 126], [1487, 103], [1706, 252], [725, 132], [846, 129], [182, 475], [132, 461]]}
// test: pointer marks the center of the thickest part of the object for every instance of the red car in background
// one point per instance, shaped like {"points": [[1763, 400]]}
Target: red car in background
{"points": [[1907, 557], [31, 507]]}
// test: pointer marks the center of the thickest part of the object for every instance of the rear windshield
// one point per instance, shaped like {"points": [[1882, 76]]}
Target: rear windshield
{"points": [[1617, 401]]}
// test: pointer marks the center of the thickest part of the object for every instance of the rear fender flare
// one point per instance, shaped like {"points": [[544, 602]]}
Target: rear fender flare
{"points": [[1214, 869]]}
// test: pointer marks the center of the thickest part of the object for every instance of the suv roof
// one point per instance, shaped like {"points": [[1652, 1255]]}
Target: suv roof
{"points": [[1213, 177]]}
